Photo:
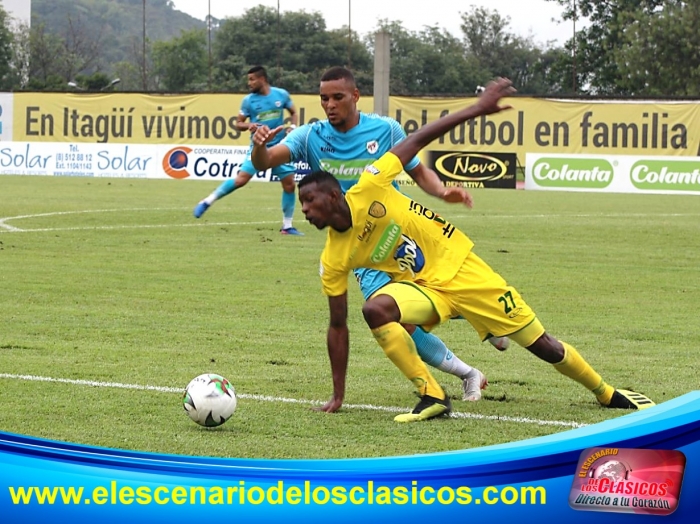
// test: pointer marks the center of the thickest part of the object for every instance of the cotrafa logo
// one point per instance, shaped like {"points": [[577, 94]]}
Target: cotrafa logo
{"points": [[175, 162]]}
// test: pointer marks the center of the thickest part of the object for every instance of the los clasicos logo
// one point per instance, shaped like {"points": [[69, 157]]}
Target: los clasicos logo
{"points": [[622, 480]]}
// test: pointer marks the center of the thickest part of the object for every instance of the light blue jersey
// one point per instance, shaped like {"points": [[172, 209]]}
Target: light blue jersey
{"points": [[267, 109], [346, 155]]}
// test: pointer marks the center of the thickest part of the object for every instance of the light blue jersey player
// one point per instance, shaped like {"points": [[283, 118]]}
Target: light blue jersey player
{"points": [[343, 145], [345, 155], [265, 105]]}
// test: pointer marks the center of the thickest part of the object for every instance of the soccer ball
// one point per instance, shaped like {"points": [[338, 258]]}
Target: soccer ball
{"points": [[209, 400]]}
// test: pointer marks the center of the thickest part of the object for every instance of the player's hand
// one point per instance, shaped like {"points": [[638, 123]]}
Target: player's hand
{"points": [[458, 195], [495, 90], [253, 128], [264, 134], [331, 406]]}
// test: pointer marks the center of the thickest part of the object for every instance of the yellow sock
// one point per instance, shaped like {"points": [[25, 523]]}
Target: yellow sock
{"points": [[574, 366], [401, 350]]}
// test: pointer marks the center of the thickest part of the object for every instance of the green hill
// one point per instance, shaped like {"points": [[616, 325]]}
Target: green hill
{"points": [[115, 26]]}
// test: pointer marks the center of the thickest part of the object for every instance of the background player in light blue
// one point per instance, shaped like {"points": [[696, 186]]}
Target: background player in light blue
{"points": [[264, 105], [343, 145]]}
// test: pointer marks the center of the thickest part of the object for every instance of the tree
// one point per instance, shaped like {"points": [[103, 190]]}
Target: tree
{"points": [[8, 73], [21, 53], [45, 50], [431, 61], [628, 43], [660, 54], [181, 64], [81, 49], [117, 23], [499, 52], [295, 48]]}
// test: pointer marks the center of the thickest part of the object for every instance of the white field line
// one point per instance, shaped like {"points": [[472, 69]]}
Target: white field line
{"points": [[7, 228], [266, 398]]}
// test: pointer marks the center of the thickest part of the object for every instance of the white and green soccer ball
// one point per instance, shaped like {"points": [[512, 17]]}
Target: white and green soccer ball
{"points": [[209, 400]]}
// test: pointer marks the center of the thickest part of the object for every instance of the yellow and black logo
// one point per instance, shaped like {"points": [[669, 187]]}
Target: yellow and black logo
{"points": [[470, 167]]}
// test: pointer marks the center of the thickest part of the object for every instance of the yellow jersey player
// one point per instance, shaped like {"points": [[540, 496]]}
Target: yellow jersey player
{"points": [[435, 275]]}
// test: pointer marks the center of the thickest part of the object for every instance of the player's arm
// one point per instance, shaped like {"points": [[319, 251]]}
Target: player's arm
{"points": [[289, 150], [293, 116], [338, 341], [243, 115], [243, 125], [264, 157], [486, 104], [428, 181]]}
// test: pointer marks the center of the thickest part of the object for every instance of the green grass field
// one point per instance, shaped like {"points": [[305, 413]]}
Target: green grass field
{"points": [[109, 286]]}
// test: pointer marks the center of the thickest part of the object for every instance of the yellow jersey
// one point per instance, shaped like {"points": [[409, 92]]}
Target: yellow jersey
{"points": [[392, 233]]}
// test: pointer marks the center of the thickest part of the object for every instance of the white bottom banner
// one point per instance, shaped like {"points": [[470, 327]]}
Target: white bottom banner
{"points": [[128, 161], [613, 173]]}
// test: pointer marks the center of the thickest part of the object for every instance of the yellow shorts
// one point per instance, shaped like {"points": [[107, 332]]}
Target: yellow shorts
{"points": [[478, 294]]}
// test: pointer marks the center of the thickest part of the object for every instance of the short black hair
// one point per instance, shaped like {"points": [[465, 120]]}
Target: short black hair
{"points": [[338, 73], [323, 179], [258, 71]]}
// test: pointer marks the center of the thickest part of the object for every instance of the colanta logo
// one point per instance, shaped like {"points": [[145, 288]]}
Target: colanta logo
{"points": [[471, 166], [175, 162], [678, 175], [345, 169], [387, 241], [589, 173]]}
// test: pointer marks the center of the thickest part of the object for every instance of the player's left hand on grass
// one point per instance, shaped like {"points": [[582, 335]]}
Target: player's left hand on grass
{"points": [[457, 195], [331, 406]]}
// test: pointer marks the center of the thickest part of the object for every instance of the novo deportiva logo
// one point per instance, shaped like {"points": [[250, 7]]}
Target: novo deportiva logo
{"points": [[175, 162], [471, 166], [589, 173]]}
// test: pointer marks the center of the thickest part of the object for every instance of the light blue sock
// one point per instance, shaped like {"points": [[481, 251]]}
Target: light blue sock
{"points": [[288, 202], [434, 352], [226, 188]]}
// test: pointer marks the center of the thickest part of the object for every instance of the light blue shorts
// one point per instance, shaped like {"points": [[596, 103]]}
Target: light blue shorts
{"points": [[280, 171], [370, 280]]}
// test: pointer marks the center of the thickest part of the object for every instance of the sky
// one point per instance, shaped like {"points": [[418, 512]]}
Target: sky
{"points": [[17, 8], [527, 17]]}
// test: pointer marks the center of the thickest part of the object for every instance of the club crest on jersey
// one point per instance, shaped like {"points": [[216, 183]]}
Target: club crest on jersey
{"points": [[278, 103], [372, 147], [409, 256], [377, 210]]}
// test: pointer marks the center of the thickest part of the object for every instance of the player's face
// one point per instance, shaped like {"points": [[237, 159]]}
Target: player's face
{"points": [[255, 83], [316, 205], [339, 101]]}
